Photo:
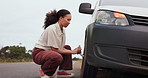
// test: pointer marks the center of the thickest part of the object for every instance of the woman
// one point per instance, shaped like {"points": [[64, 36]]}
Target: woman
{"points": [[51, 52]]}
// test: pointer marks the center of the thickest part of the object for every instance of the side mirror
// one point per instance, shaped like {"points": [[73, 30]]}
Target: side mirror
{"points": [[85, 8]]}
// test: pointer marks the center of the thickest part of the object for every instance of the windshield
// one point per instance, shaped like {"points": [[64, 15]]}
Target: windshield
{"points": [[133, 3]]}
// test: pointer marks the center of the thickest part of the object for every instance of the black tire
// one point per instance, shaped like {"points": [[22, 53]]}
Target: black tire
{"points": [[87, 70]]}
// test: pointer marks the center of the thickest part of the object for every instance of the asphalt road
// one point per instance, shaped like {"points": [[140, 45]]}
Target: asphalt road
{"points": [[29, 70]]}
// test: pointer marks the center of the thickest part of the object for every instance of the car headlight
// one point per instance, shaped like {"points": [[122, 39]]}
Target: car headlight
{"points": [[111, 18]]}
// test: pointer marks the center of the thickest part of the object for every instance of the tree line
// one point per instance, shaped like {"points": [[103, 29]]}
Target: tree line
{"points": [[15, 54]]}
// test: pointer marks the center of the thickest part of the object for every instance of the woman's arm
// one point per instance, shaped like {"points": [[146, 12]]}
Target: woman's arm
{"points": [[66, 51]]}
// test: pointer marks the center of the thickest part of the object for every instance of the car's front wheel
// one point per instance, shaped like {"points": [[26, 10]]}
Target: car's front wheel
{"points": [[88, 71]]}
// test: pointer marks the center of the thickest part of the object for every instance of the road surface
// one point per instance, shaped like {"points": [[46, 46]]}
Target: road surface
{"points": [[28, 70]]}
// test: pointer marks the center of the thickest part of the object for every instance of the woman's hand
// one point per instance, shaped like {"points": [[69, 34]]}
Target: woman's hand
{"points": [[77, 50]]}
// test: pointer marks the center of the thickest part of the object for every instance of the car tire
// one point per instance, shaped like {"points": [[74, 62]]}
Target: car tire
{"points": [[87, 71]]}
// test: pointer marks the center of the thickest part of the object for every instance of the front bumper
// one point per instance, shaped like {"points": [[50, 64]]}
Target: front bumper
{"points": [[123, 48]]}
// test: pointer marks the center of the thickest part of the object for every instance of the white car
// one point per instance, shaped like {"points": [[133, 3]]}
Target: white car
{"points": [[116, 40]]}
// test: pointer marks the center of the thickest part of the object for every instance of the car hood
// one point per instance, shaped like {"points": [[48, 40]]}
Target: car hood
{"points": [[138, 11]]}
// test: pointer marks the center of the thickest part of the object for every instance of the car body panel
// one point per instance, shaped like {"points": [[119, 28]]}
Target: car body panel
{"points": [[107, 46], [119, 47]]}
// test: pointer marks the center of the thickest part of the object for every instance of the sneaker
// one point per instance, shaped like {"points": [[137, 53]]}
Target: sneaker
{"points": [[64, 74], [41, 73], [45, 76]]}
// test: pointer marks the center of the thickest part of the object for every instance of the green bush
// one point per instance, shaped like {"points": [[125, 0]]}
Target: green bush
{"points": [[14, 54], [15, 60]]}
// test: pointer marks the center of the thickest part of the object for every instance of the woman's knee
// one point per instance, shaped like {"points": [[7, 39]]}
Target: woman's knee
{"points": [[67, 47], [58, 58]]}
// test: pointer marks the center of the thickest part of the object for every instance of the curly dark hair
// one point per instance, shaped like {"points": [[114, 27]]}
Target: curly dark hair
{"points": [[53, 17]]}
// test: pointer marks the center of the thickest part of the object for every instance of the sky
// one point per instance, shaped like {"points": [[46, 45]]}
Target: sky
{"points": [[21, 21]]}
